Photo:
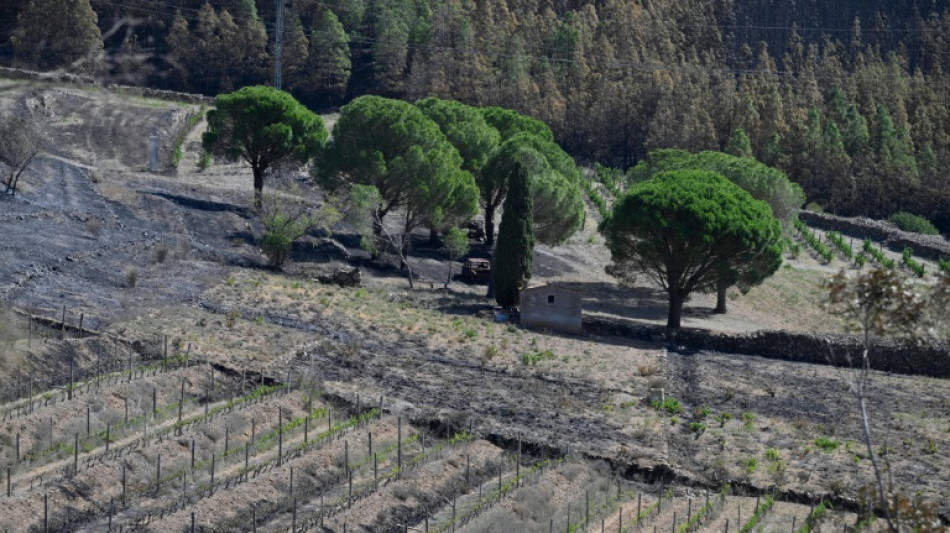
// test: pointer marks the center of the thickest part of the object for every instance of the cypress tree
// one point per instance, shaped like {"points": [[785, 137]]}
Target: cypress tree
{"points": [[512, 263]]}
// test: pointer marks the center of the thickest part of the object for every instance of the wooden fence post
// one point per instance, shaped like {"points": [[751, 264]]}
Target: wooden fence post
{"points": [[639, 501], [181, 404]]}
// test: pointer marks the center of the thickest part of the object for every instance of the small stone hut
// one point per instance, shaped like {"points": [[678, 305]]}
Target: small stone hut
{"points": [[552, 307]]}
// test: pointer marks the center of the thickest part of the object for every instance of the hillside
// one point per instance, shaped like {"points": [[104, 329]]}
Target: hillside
{"points": [[211, 388], [847, 97]]}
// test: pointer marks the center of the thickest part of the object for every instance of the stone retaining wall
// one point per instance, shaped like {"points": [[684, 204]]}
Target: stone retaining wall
{"points": [[889, 355], [76, 79], [931, 247]]}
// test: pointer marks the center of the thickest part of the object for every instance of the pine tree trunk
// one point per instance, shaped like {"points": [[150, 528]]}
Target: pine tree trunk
{"points": [[676, 309], [258, 187], [721, 299], [489, 225]]}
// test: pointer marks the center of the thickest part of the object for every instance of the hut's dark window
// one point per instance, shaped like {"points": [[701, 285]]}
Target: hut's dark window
{"points": [[550, 298]]}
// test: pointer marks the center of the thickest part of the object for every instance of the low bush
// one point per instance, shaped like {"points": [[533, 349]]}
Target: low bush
{"points": [[826, 444], [750, 464], [131, 277], [161, 252], [533, 358], [915, 266], [814, 517], [913, 223], [176, 156], [670, 405], [286, 221], [205, 160]]}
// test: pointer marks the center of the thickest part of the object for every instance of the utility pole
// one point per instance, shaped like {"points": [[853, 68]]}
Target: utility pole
{"points": [[279, 45]]}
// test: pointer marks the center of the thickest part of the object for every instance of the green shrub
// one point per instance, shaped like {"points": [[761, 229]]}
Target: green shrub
{"points": [[670, 405], [205, 160], [915, 266], [826, 444], [533, 358], [697, 427], [913, 223], [723, 418], [750, 464], [285, 222], [276, 245], [772, 454], [176, 156], [944, 265], [748, 419]]}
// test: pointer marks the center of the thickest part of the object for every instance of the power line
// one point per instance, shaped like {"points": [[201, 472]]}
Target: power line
{"points": [[279, 45]]}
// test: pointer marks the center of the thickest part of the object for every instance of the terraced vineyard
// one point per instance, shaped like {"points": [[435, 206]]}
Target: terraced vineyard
{"points": [[176, 442]]}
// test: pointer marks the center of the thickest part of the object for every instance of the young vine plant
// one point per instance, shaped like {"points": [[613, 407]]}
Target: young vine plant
{"points": [[809, 236], [915, 266], [877, 254]]}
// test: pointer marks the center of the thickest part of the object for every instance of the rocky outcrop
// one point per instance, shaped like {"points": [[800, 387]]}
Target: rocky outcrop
{"points": [[344, 277]]}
